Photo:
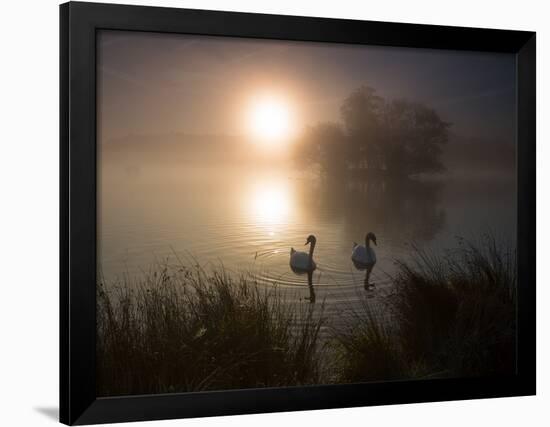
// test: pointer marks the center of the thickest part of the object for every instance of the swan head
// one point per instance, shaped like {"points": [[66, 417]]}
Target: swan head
{"points": [[371, 236], [311, 239]]}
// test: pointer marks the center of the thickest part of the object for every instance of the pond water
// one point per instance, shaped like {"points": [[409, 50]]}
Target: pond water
{"points": [[247, 220]]}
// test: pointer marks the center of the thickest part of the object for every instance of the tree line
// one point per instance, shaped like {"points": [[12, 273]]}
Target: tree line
{"points": [[376, 138]]}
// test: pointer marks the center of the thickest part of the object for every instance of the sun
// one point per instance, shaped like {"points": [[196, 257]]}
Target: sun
{"points": [[270, 119]]}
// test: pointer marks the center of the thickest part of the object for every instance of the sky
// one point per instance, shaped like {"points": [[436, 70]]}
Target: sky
{"points": [[162, 83]]}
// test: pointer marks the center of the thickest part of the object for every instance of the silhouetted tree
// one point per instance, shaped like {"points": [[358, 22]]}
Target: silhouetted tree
{"points": [[325, 145], [412, 139], [397, 138], [362, 115]]}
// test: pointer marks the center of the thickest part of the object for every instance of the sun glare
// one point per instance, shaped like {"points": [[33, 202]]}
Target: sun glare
{"points": [[270, 120]]}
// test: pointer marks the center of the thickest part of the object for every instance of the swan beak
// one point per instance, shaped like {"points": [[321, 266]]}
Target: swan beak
{"points": [[375, 244], [305, 244]]}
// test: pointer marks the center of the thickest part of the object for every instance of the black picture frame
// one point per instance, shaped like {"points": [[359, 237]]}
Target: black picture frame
{"points": [[79, 23]]}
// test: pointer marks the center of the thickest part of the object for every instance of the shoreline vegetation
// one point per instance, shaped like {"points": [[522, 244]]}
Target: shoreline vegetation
{"points": [[183, 329]]}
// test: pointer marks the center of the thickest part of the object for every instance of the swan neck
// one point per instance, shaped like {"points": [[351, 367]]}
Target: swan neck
{"points": [[311, 249]]}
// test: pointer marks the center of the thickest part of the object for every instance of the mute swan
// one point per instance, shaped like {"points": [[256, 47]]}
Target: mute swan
{"points": [[302, 262], [364, 257]]}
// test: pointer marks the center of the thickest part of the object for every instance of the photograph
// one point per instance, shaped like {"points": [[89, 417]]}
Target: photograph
{"points": [[278, 213]]}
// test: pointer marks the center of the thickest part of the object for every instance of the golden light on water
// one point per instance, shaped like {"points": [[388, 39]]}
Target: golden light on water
{"points": [[270, 120], [270, 203]]}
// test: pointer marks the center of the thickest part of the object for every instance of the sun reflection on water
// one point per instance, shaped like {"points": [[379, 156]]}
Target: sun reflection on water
{"points": [[270, 204]]}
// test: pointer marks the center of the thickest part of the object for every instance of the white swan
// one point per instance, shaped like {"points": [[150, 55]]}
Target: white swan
{"points": [[302, 262], [364, 257]]}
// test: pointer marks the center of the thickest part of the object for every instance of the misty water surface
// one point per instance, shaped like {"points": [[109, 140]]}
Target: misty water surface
{"points": [[248, 218]]}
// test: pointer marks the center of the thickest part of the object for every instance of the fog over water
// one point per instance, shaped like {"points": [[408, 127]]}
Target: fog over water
{"points": [[247, 220]]}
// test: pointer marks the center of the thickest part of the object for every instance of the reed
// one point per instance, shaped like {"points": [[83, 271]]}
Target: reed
{"points": [[452, 315], [366, 350], [183, 329]]}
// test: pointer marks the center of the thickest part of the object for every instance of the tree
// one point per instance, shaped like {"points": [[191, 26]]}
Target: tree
{"points": [[362, 116], [413, 139], [396, 138], [325, 145]]}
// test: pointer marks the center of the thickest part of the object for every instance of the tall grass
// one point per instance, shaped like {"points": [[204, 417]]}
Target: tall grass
{"points": [[365, 349], [452, 315], [182, 329]]}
